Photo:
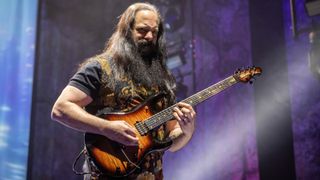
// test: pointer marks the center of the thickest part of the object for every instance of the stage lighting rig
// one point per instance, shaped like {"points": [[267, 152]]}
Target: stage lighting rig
{"points": [[176, 53], [314, 53], [312, 7]]}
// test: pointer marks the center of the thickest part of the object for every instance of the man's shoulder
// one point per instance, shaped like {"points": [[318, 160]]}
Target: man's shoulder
{"points": [[104, 62], [99, 61]]}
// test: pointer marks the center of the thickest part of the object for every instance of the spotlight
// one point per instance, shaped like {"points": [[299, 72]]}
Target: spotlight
{"points": [[312, 7]]}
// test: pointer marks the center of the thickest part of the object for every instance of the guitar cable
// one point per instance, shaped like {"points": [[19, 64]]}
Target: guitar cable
{"points": [[129, 159], [83, 151]]}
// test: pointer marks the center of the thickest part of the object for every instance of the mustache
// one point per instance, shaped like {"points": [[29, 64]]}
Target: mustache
{"points": [[144, 43], [146, 48]]}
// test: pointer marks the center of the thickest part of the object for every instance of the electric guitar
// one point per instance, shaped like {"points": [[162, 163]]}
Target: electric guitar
{"points": [[116, 160]]}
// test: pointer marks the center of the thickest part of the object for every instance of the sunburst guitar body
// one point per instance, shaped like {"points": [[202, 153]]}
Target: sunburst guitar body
{"points": [[117, 160]]}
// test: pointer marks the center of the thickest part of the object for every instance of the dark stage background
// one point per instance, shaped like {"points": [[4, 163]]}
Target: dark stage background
{"points": [[243, 133]]}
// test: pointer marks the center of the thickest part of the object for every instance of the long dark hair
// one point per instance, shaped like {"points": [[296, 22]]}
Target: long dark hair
{"points": [[119, 45], [125, 60]]}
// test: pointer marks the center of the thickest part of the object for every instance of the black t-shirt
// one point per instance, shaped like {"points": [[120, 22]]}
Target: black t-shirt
{"points": [[87, 79]]}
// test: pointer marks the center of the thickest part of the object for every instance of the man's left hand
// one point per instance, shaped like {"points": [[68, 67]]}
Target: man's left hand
{"points": [[185, 115]]}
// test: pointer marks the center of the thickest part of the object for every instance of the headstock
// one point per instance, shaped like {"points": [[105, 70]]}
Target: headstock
{"points": [[247, 74]]}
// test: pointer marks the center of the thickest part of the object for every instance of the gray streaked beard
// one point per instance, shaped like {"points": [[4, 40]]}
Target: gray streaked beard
{"points": [[147, 72], [145, 68]]}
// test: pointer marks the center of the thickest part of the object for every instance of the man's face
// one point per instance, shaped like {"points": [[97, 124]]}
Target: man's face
{"points": [[145, 31]]}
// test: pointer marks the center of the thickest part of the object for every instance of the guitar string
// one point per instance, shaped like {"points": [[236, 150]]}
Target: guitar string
{"points": [[192, 100], [208, 92], [205, 93]]}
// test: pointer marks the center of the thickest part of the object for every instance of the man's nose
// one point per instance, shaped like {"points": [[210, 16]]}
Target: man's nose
{"points": [[149, 36]]}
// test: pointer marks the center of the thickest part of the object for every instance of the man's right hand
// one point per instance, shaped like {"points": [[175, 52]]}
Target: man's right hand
{"points": [[120, 131]]}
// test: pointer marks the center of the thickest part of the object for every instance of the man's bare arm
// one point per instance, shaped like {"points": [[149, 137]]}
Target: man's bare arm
{"points": [[68, 110]]}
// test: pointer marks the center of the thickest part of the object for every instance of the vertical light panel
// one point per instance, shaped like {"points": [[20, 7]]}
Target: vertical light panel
{"points": [[17, 49]]}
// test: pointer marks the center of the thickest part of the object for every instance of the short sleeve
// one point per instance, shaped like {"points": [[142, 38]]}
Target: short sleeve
{"points": [[87, 79]]}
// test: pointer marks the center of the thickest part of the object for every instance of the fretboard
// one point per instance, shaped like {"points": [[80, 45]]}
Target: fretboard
{"points": [[166, 114]]}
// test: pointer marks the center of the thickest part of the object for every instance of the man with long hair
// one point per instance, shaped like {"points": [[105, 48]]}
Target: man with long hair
{"points": [[130, 70]]}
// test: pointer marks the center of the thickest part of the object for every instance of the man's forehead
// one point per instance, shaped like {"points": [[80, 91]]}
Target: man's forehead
{"points": [[146, 18]]}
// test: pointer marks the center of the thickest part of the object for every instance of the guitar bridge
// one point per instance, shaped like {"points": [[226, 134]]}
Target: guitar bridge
{"points": [[142, 128]]}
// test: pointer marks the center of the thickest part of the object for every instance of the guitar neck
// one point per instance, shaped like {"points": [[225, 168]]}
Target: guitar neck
{"points": [[166, 114]]}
